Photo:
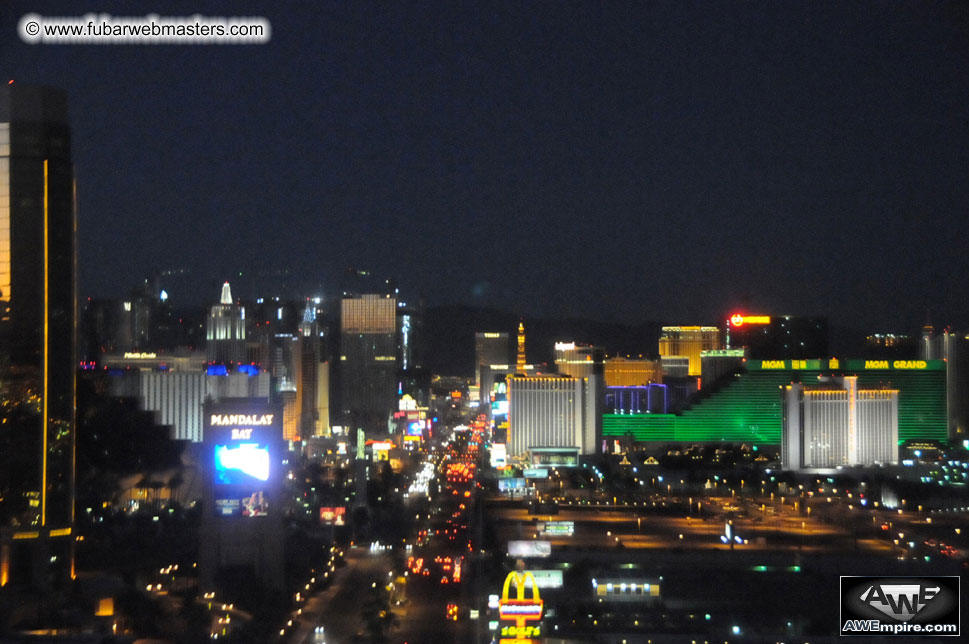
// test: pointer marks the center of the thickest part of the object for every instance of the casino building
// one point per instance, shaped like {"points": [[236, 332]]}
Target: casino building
{"points": [[835, 423], [688, 342], [578, 360], [553, 411], [747, 405]]}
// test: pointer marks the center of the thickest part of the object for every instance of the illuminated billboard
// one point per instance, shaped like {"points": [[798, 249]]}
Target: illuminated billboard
{"points": [[381, 450], [241, 438], [547, 578], [241, 472], [498, 455], [241, 464], [557, 528], [333, 516], [511, 484], [532, 548], [415, 428], [553, 456]]}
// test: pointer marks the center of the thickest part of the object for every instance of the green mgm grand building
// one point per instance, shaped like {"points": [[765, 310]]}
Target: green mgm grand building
{"points": [[747, 407]]}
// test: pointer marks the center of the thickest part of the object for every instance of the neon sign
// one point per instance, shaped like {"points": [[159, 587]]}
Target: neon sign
{"points": [[140, 356], [739, 320], [241, 419], [897, 364], [519, 609]]}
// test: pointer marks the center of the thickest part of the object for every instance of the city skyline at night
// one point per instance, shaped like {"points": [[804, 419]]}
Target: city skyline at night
{"points": [[267, 272]]}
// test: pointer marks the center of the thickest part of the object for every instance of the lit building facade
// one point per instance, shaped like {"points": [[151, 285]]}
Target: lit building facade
{"points": [[322, 399], [675, 367], [632, 372], [553, 411], [308, 382], [151, 361], [688, 342], [578, 360], [37, 337], [836, 424], [745, 406], [638, 399], [225, 331], [368, 359], [177, 397], [410, 336]]}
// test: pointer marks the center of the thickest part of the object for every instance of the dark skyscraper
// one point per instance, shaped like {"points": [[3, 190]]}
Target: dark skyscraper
{"points": [[368, 360], [778, 337], [37, 336], [491, 348]]}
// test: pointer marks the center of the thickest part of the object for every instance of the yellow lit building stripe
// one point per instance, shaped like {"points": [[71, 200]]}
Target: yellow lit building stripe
{"points": [[26, 535], [60, 532], [4, 564], [73, 372], [43, 474]]}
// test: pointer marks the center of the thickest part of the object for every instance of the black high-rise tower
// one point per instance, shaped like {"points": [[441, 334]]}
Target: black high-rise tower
{"points": [[37, 337]]}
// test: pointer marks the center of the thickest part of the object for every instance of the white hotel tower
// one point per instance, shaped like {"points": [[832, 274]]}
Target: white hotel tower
{"points": [[835, 424], [553, 411]]}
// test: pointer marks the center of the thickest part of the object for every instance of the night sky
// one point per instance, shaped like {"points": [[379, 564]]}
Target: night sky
{"points": [[622, 161]]}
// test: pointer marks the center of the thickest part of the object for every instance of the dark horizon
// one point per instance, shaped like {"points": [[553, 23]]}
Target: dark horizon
{"points": [[625, 163]]}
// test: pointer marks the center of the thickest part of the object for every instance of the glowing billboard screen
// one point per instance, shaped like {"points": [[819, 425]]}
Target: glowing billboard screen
{"points": [[333, 516], [242, 443], [242, 463], [415, 428], [511, 484], [523, 548], [499, 455], [241, 474], [557, 528], [252, 505]]}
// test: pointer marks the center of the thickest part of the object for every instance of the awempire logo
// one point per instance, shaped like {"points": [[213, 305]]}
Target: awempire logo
{"points": [[900, 606]]}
